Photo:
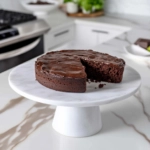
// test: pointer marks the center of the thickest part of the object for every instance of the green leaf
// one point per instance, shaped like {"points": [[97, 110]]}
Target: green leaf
{"points": [[97, 7], [88, 4], [66, 1], [148, 48]]}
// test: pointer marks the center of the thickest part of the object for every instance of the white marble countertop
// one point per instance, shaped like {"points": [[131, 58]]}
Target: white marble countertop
{"points": [[26, 125]]}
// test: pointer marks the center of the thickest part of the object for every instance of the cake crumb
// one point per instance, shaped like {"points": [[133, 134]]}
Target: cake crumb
{"points": [[101, 85]]}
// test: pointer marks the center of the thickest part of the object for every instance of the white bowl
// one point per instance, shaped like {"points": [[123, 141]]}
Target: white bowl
{"points": [[40, 9], [136, 53]]}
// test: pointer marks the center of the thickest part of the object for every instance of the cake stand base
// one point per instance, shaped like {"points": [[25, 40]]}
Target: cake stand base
{"points": [[77, 121]]}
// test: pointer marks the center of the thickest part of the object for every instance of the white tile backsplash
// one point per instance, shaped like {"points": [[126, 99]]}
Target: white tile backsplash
{"points": [[136, 7]]}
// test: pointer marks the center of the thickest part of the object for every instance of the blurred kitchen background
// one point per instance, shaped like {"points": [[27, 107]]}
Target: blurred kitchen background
{"points": [[29, 28], [137, 7]]}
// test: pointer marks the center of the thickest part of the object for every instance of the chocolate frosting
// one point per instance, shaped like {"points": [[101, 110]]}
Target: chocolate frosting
{"points": [[68, 63]]}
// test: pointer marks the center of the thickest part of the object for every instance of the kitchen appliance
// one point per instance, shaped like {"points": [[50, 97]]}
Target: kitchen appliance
{"points": [[11, 17], [7, 32], [8, 18], [21, 38]]}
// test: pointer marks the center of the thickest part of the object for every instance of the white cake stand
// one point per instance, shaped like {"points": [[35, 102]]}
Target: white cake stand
{"points": [[77, 114]]}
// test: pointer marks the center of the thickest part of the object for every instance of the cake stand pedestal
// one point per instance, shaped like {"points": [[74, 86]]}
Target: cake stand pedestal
{"points": [[77, 114], [77, 121]]}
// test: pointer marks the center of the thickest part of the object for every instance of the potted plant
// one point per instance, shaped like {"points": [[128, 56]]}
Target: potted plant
{"points": [[89, 6], [71, 6], [97, 5]]}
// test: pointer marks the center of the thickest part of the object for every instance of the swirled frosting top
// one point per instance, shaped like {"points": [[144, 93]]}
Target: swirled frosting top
{"points": [[67, 63]]}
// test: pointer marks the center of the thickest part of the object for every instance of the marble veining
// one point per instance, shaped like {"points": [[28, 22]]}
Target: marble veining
{"points": [[133, 127], [35, 117], [139, 98], [12, 104]]}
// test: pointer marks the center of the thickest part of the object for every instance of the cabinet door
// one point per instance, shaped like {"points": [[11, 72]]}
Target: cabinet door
{"points": [[90, 36], [58, 37], [102, 35], [85, 36], [105, 34], [97, 33]]}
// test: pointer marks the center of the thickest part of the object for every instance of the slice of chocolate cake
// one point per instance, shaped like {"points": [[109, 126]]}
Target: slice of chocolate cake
{"points": [[144, 43], [68, 70]]}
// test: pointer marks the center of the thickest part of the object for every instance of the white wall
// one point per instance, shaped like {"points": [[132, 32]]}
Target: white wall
{"points": [[137, 7], [11, 5]]}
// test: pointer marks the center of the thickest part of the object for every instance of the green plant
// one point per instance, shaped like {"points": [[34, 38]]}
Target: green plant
{"points": [[74, 1], [148, 48], [98, 4], [88, 5], [66, 1]]}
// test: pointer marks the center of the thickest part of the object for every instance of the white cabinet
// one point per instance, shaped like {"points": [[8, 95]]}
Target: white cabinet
{"points": [[82, 35], [85, 36], [58, 36], [92, 34]]}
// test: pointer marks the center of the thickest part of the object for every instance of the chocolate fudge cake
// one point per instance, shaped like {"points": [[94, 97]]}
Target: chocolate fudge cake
{"points": [[68, 70], [144, 43]]}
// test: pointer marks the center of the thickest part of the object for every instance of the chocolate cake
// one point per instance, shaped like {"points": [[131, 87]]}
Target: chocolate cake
{"points": [[68, 70], [40, 3], [144, 43]]}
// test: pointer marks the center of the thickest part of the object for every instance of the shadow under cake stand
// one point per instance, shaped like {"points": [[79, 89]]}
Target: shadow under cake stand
{"points": [[77, 114]]}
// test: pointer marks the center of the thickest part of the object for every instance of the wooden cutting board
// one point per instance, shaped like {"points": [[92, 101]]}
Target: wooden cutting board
{"points": [[80, 14]]}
